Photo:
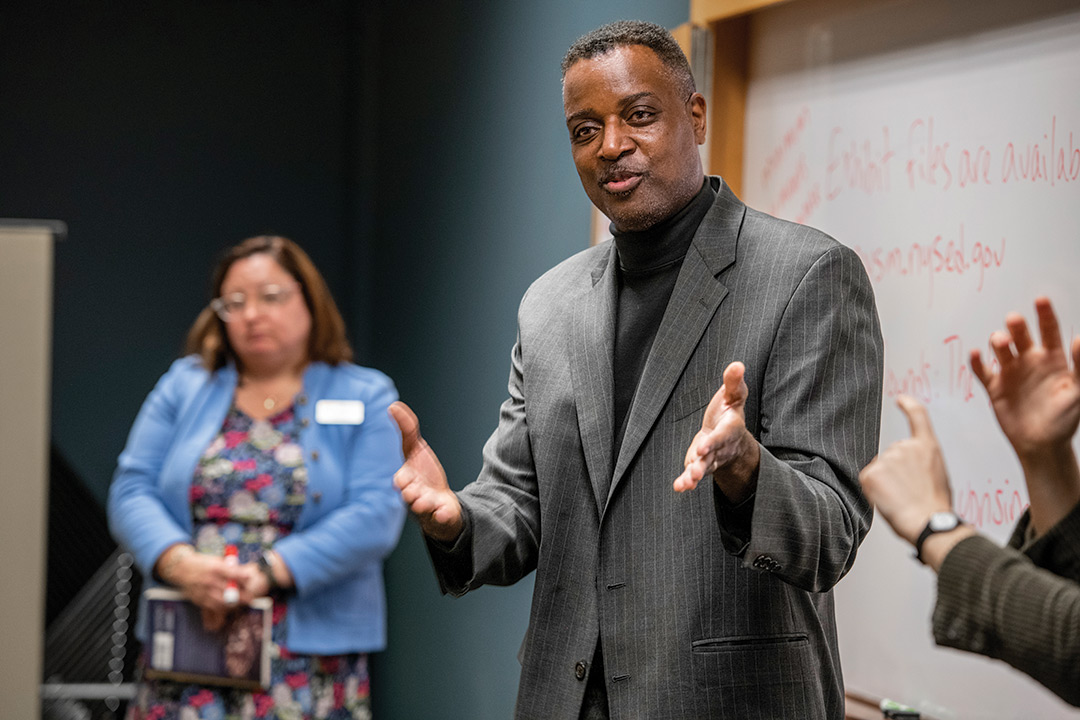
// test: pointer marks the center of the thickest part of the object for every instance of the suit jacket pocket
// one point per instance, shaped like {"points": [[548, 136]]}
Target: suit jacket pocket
{"points": [[739, 642], [687, 402], [765, 676]]}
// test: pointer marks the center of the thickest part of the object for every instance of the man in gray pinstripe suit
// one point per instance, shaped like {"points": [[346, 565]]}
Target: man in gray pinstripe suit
{"points": [[705, 340]]}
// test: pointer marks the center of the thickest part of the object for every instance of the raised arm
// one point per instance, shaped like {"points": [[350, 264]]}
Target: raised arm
{"points": [[991, 600], [908, 483], [789, 501], [724, 447], [1036, 398], [422, 481]]}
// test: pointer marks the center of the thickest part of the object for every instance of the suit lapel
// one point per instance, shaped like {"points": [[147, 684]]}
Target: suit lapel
{"points": [[592, 347], [693, 303]]}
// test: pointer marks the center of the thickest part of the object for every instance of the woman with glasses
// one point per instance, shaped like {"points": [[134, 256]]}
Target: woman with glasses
{"points": [[268, 439]]}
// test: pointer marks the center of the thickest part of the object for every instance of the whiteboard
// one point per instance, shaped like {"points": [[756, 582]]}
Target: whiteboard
{"points": [[945, 149]]}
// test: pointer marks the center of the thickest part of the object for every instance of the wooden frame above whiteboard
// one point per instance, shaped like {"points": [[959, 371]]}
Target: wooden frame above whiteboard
{"points": [[703, 12]]}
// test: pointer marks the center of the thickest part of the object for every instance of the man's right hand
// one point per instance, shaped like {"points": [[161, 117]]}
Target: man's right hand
{"points": [[422, 481]]}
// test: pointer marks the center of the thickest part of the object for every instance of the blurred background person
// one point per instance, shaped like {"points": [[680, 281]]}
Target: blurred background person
{"points": [[266, 437], [1020, 603]]}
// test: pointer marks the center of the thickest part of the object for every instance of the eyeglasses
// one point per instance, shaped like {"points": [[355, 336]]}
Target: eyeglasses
{"points": [[230, 307]]}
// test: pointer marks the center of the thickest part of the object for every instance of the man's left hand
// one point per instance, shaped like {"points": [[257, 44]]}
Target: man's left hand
{"points": [[724, 447]]}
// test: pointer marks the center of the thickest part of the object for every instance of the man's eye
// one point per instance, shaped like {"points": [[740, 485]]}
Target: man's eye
{"points": [[641, 115], [584, 132]]}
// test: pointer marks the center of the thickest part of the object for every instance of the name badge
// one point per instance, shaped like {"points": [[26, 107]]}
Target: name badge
{"points": [[339, 412]]}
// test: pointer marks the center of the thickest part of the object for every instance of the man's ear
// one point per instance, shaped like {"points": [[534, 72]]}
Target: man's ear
{"points": [[698, 116]]}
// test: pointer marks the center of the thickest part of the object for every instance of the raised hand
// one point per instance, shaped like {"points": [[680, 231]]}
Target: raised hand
{"points": [[1037, 402], [723, 446], [908, 482], [422, 481], [1034, 394]]}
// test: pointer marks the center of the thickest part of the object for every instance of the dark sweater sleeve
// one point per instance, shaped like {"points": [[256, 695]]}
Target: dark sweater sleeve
{"points": [[1057, 550], [996, 602]]}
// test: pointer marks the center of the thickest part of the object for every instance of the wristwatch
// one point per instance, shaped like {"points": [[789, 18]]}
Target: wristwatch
{"points": [[266, 566], [939, 522]]}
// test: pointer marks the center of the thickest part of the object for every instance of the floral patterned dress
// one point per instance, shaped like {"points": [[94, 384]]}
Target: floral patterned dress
{"points": [[248, 490]]}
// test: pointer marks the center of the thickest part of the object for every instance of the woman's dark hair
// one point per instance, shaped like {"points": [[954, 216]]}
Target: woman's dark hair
{"points": [[327, 343]]}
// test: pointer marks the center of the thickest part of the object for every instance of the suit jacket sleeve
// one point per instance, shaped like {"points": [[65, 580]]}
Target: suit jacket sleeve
{"points": [[819, 420], [998, 602], [504, 500]]}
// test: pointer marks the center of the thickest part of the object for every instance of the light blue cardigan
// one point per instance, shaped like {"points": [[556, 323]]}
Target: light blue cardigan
{"points": [[351, 521]]}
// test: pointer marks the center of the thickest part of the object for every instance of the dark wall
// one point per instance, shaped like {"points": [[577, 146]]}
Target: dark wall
{"points": [[161, 133], [417, 150]]}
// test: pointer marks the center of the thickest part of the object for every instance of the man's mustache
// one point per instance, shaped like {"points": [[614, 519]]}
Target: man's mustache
{"points": [[619, 170]]}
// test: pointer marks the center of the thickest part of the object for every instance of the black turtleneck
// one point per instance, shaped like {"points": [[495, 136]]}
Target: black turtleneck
{"points": [[649, 263]]}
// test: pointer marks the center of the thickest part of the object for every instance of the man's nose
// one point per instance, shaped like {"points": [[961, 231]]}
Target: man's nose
{"points": [[616, 142]]}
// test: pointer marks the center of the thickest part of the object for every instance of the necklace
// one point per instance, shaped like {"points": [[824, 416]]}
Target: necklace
{"points": [[271, 394], [268, 401]]}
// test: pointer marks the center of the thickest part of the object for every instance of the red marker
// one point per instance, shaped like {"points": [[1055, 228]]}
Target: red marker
{"points": [[232, 592]]}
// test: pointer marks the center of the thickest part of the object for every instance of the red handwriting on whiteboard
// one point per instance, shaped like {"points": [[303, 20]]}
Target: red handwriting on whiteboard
{"points": [[1042, 162], [922, 379], [914, 381], [791, 186], [869, 163], [789, 140], [810, 204], [939, 256], [961, 379], [960, 376], [973, 167], [857, 165], [982, 507], [927, 160]]}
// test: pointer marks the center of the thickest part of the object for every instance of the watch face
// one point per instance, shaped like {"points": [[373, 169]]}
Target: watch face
{"points": [[942, 521]]}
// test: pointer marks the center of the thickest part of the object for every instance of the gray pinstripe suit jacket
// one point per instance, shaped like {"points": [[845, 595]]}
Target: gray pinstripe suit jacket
{"points": [[696, 619]]}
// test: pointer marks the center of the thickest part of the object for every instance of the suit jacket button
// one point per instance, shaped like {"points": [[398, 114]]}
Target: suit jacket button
{"points": [[304, 422], [314, 454], [316, 496], [579, 670]]}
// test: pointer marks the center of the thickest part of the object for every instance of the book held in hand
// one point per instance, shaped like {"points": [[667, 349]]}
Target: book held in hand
{"points": [[182, 650]]}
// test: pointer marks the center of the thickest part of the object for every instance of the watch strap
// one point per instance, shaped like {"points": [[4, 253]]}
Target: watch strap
{"points": [[930, 530], [266, 566]]}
